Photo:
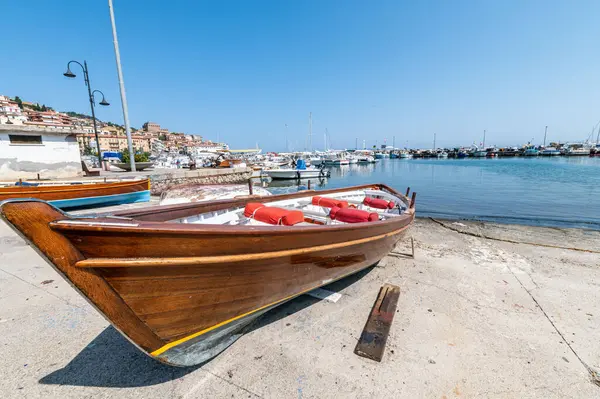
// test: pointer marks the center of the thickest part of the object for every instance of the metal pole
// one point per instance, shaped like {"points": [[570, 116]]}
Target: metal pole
{"points": [[310, 131], [86, 77], [545, 131], [122, 87]]}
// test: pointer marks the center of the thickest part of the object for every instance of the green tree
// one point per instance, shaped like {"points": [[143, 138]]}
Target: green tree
{"points": [[19, 101], [139, 156]]}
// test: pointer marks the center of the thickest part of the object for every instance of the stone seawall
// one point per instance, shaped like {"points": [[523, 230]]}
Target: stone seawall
{"points": [[165, 180]]}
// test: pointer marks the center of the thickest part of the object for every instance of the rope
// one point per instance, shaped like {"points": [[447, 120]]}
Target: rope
{"points": [[511, 241]]}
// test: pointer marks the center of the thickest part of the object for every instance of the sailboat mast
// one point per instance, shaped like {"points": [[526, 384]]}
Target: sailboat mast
{"points": [[484, 139], [434, 141], [325, 137], [394, 142], [356, 144], [310, 131], [545, 132], [598, 137]]}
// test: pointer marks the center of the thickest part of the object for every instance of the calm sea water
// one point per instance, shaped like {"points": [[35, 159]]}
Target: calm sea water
{"points": [[557, 191]]}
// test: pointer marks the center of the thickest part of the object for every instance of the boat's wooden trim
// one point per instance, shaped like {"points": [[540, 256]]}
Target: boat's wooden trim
{"points": [[206, 260], [31, 219]]}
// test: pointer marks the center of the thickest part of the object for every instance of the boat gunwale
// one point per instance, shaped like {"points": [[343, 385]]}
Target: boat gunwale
{"points": [[159, 228], [155, 213]]}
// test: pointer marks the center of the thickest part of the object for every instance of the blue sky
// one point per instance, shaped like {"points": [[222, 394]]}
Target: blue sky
{"points": [[242, 70]]}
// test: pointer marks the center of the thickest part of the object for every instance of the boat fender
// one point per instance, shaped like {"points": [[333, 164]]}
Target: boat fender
{"points": [[349, 215], [273, 215], [378, 203], [328, 202]]}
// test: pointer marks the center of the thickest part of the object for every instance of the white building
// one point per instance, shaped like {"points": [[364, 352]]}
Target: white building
{"points": [[26, 151], [10, 113]]}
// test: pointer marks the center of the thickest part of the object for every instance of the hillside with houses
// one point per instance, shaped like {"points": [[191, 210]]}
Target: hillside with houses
{"points": [[150, 138]]}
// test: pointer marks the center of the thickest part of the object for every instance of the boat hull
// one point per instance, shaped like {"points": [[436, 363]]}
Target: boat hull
{"points": [[184, 292], [291, 174], [103, 200], [74, 195]]}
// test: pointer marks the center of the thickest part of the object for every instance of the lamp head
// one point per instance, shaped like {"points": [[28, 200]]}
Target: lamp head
{"points": [[69, 74]]}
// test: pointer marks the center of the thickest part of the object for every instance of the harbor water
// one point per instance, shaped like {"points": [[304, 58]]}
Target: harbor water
{"points": [[547, 191]]}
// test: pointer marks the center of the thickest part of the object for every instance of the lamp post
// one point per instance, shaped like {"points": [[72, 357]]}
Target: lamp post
{"points": [[103, 102]]}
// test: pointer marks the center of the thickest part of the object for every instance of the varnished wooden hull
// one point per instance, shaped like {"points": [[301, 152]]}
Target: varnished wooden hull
{"points": [[73, 191], [184, 292]]}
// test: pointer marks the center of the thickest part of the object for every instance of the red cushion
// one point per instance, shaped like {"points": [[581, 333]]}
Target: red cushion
{"points": [[378, 203], [251, 207], [349, 215], [329, 202], [273, 215]]}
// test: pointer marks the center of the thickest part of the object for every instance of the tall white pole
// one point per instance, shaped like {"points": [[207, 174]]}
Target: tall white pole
{"points": [[310, 131], [122, 87]]}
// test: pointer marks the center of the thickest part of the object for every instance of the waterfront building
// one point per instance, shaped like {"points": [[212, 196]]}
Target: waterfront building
{"points": [[115, 143], [29, 150]]}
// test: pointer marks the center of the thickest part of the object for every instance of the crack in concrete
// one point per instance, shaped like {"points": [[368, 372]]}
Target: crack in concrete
{"points": [[43, 290], [233, 383], [594, 376]]}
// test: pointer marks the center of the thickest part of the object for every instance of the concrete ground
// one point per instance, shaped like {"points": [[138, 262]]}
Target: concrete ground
{"points": [[477, 318]]}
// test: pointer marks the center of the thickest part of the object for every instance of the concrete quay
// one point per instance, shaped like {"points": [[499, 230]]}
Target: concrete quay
{"points": [[478, 317], [164, 179]]}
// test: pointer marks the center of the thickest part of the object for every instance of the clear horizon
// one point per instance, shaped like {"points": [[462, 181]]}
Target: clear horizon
{"points": [[241, 72]]}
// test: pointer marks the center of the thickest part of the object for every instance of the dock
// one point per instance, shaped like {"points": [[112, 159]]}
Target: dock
{"points": [[485, 311]]}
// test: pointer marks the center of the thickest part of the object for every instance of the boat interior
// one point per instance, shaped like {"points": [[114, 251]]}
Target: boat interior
{"points": [[346, 207]]}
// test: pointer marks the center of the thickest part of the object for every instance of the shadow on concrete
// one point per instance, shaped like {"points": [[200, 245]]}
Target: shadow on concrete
{"points": [[112, 361], [303, 301]]}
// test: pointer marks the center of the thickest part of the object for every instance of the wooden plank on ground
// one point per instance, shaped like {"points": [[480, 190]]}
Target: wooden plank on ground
{"points": [[374, 336]]}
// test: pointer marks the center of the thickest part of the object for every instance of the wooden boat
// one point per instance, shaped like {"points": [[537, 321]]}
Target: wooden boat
{"points": [[74, 194], [183, 281]]}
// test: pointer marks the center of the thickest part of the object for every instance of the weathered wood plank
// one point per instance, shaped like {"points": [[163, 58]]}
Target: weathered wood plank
{"points": [[374, 336]]}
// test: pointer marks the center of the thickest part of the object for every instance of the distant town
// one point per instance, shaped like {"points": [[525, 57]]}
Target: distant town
{"points": [[150, 138]]}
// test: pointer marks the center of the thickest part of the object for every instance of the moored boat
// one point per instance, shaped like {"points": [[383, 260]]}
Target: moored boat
{"points": [[77, 194], [549, 151], [181, 282], [290, 174], [531, 152]]}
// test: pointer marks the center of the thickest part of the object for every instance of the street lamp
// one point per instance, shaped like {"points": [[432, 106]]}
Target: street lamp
{"points": [[103, 102]]}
